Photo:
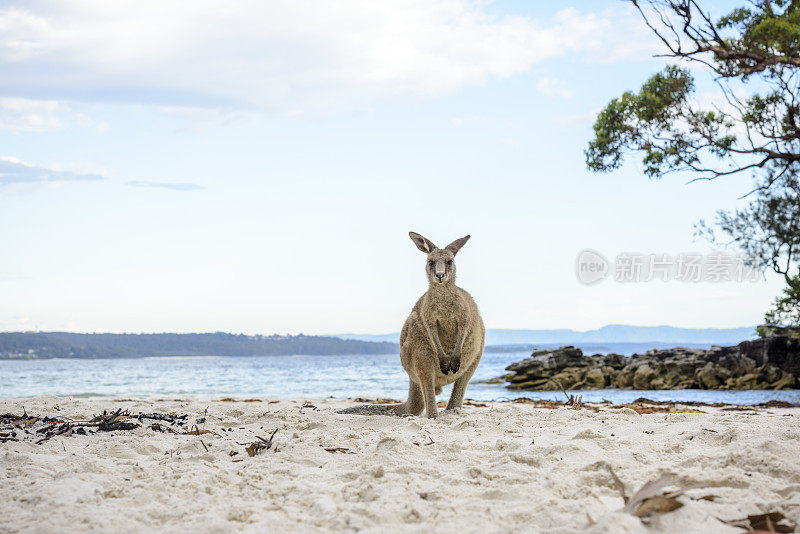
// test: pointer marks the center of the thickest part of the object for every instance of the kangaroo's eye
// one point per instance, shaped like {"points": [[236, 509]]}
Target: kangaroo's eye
{"points": [[449, 262], [431, 263]]}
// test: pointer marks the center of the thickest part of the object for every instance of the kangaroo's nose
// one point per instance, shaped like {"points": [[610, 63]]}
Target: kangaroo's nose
{"points": [[439, 270]]}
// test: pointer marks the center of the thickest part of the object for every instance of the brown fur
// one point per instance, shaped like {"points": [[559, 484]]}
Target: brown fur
{"points": [[442, 339]]}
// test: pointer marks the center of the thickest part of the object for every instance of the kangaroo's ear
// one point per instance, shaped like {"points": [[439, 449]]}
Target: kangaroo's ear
{"points": [[456, 245], [423, 243]]}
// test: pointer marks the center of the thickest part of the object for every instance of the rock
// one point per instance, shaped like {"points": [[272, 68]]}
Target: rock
{"points": [[624, 379], [643, 376], [786, 381], [708, 377], [496, 380], [593, 379], [748, 381], [769, 373], [769, 363], [615, 361], [568, 378]]}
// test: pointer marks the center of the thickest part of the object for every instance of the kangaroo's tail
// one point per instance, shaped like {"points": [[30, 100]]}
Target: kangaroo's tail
{"points": [[376, 409]]}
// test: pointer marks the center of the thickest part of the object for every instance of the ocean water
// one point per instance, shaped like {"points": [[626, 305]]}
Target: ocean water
{"points": [[293, 376]]}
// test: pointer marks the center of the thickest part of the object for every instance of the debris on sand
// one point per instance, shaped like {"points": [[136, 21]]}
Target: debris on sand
{"points": [[41, 429], [260, 445], [771, 522], [650, 499]]}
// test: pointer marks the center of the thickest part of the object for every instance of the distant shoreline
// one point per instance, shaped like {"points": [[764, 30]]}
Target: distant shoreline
{"points": [[58, 345], [16, 346]]}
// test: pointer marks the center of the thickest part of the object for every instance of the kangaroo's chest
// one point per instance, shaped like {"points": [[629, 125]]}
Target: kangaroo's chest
{"points": [[444, 313]]}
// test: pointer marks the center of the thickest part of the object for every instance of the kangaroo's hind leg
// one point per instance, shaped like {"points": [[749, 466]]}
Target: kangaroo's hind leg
{"points": [[460, 386], [415, 403], [424, 369]]}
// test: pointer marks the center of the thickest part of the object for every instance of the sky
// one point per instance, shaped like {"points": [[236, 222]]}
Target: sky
{"points": [[256, 166]]}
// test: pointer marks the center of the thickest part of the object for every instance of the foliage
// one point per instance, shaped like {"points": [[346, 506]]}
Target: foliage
{"points": [[786, 308], [767, 230], [753, 49], [664, 122]]}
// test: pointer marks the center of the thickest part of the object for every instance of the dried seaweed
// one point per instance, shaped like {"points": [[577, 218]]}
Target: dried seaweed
{"points": [[262, 444], [63, 430], [50, 427], [776, 404], [195, 431], [169, 418], [115, 421]]}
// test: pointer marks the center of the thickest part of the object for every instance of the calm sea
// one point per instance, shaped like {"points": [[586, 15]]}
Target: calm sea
{"points": [[291, 376]]}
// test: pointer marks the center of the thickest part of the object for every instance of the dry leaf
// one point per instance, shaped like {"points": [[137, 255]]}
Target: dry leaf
{"points": [[772, 522], [649, 499], [660, 504]]}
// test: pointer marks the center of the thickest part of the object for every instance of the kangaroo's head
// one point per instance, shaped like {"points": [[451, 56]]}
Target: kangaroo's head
{"points": [[440, 267]]}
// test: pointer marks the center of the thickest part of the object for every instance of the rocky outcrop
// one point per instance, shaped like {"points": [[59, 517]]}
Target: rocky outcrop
{"points": [[768, 363]]}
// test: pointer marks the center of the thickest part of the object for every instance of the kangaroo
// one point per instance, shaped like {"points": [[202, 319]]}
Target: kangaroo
{"points": [[442, 340]]}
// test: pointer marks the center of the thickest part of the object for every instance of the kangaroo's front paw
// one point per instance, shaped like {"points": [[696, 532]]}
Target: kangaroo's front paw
{"points": [[444, 364], [455, 364]]}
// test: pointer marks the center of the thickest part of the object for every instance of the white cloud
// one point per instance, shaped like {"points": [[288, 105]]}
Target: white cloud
{"points": [[28, 115], [15, 171], [22, 114], [554, 88], [294, 56]]}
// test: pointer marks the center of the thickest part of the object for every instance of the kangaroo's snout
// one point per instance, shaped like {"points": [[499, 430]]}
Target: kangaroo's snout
{"points": [[439, 271]]}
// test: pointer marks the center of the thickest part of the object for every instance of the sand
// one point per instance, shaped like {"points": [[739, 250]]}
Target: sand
{"points": [[495, 468]]}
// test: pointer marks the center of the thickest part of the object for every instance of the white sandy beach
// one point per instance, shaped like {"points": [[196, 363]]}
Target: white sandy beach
{"points": [[496, 468]]}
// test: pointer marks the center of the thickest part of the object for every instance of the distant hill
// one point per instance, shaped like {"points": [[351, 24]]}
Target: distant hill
{"points": [[69, 345], [607, 334]]}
